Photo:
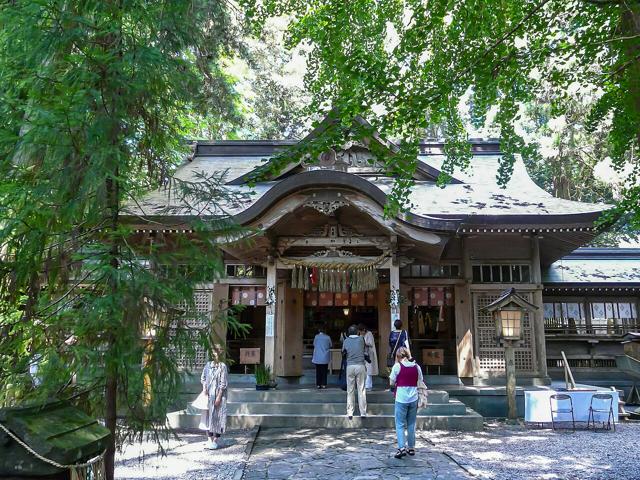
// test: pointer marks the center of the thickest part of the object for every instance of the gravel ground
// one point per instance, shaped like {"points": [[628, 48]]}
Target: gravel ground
{"points": [[509, 452], [186, 459], [499, 452]]}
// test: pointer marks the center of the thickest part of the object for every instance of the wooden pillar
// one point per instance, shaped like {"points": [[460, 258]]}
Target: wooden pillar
{"points": [[537, 317], [405, 293], [270, 317], [289, 331], [465, 326], [394, 291], [220, 303], [464, 331], [383, 328]]}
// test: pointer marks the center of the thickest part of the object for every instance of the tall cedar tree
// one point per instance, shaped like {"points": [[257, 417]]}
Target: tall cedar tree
{"points": [[96, 100]]}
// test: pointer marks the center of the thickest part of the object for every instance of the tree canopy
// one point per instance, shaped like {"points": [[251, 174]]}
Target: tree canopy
{"points": [[407, 64]]}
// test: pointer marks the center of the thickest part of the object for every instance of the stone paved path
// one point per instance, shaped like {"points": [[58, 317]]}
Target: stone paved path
{"points": [[185, 458], [280, 454]]}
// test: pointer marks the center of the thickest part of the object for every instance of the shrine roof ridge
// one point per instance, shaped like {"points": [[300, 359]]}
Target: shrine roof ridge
{"points": [[269, 147]]}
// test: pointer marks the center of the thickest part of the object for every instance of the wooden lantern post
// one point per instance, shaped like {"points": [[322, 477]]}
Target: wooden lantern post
{"points": [[508, 312]]}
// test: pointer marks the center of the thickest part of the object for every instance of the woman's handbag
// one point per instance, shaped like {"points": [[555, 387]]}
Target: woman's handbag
{"points": [[342, 378], [423, 396], [202, 402], [391, 357], [367, 358]]}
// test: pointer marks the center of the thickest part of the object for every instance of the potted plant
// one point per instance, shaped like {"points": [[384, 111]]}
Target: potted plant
{"points": [[263, 377]]}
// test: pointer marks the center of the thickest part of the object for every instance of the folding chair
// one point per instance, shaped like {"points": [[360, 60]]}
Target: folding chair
{"points": [[561, 397], [602, 398]]}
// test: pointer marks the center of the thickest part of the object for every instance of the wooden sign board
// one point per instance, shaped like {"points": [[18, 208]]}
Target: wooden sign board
{"points": [[249, 356], [433, 356]]}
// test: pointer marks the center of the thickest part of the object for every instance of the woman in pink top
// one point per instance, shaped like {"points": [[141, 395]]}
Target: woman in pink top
{"points": [[406, 374]]}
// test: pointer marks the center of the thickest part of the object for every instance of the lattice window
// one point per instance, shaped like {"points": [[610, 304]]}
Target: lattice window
{"points": [[200, 318], [491, 356]]}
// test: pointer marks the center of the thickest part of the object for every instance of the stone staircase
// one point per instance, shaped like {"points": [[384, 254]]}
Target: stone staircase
{"points": [[307, 407]]}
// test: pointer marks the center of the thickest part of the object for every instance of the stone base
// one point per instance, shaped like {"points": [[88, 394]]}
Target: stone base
{"points": [[524, 380]]}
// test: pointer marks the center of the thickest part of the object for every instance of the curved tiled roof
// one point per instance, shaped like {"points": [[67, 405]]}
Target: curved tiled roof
{"points": [[476, 200]]}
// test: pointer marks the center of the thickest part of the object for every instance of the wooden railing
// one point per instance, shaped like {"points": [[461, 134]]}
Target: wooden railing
{"points": [[582, 363], [612, 327]]}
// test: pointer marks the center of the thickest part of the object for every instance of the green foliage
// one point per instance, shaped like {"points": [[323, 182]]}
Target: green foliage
{"points": [[263, 374], [415, 61], [97, 99], [273, 104]]}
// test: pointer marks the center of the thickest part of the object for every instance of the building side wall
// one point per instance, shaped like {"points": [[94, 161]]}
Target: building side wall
{"points": [[495, 252]]}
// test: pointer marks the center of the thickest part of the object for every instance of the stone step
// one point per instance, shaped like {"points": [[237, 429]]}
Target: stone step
{"points": [[454, 407], [470, 421], [309, 378], [311, 395], [434, 380]]}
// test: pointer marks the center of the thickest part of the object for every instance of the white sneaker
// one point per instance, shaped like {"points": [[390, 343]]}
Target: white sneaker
{"points": [[211, 445]]}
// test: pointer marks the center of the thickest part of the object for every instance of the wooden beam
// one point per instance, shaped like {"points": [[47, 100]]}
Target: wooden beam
{"points": [[287, 242]]}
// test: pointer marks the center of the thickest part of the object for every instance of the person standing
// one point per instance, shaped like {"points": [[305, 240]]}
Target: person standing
{"points": [[353, 347], [214, 381], [370, 345], [405, 376], [321, 356], [397, 338]]}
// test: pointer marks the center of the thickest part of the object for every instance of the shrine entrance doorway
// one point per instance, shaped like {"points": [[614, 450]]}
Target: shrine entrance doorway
{"points": [[431, 326], [252, 315], [336, 312]]}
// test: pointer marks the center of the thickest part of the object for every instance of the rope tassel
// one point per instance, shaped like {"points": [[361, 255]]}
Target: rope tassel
{"points": [[300, 282], [96, 471], [338, 276], [307, 281]]}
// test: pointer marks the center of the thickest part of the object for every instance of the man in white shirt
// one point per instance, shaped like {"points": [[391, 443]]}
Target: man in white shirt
{"points": [[321, 356]]}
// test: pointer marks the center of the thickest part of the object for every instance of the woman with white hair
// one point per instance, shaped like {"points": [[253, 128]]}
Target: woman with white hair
{"points": [[370, 346]]}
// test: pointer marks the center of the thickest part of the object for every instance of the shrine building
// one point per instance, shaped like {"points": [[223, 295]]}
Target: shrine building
{"points": [[324, 251]]}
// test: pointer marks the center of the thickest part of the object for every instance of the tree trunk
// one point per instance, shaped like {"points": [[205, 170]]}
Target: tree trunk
{"points": [[630, 28], [110, 418], [111, 388], [112, 189]]}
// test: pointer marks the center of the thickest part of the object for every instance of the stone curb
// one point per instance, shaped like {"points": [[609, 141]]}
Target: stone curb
{"points": [[446, 454], [247, 452]]}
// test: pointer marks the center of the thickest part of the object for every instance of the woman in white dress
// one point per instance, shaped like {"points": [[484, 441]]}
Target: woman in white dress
{"points": [[214, 381], [369, 342]]}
